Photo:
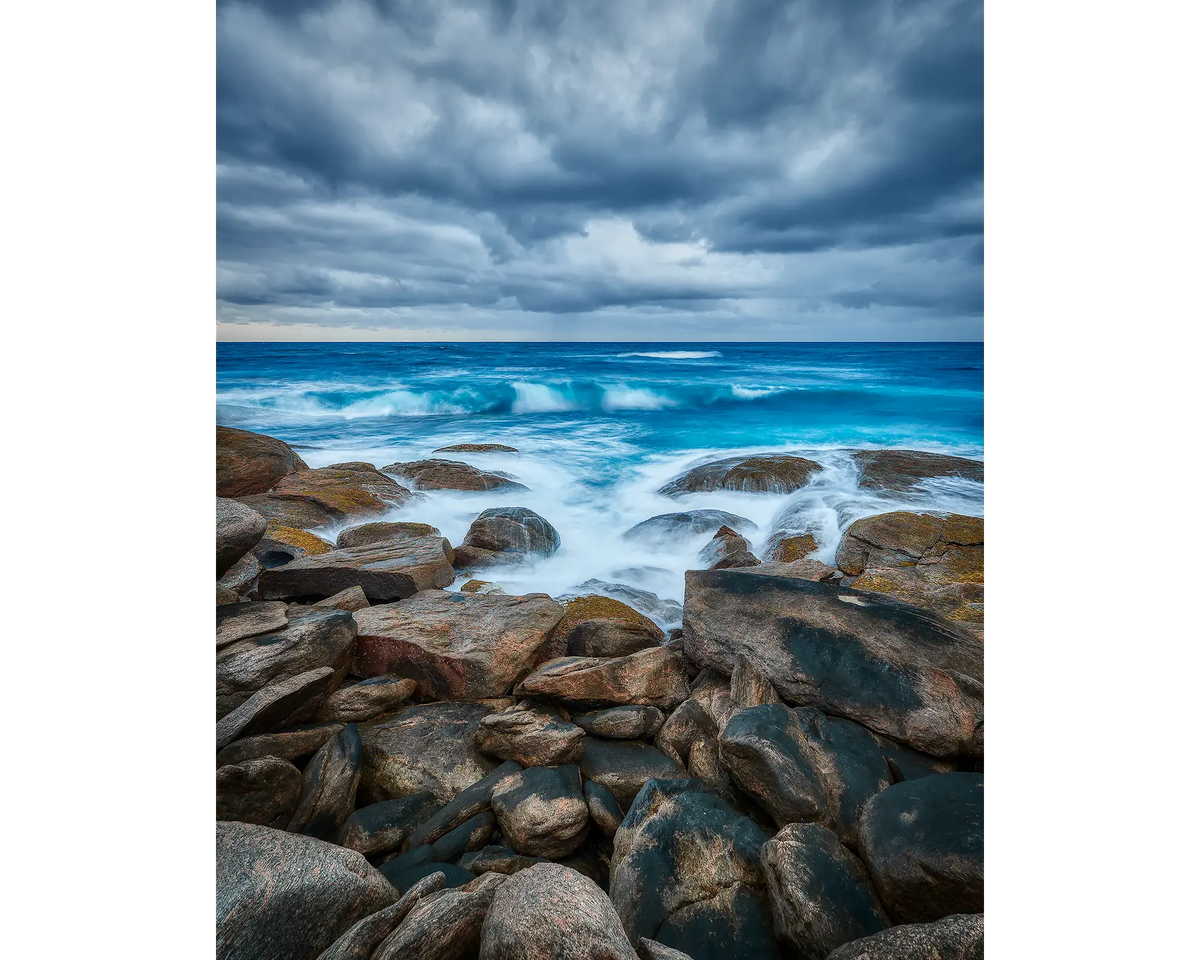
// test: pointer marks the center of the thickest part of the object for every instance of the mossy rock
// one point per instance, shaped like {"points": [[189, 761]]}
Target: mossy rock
{"points": [[597, 607], [282, 542], [791, 549]]}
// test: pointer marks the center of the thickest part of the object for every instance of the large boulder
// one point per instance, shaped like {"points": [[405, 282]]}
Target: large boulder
{"points": [[643, 601], [504, 535], [443, 926], [686, 873], [262, 791], [364, 533], [281, 896], [687, 723], [821, 896], [386, 571], [958, 937], [922, 840], [687, 523], [897, 670], [932, 561], [541, 811], [249, 463], [308, 642], [361, 940], [656, 677], [766, 473], [336, 494], [599, 626], [623, 767], [451, 475], [531, 736], [239, 528], [900, 470], [330, 785], [456, 645], [427, 747], [550, 911]]}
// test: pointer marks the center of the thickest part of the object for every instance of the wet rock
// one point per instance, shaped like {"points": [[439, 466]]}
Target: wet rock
{"points": [[276, 705], [655, 677], [932, 561], [726, 549], [623, 766], [602, 807], [901, 470], [386, 571], [482, 587], [258, 791], [674, 526], [284, 544], [361, 940], [688, 723], [330, 784], [530, 736], [550, 911], [330, 495], [766, 753], [451, 475], [599, 626], [350, 599], [285, 745], [455, 645], [506, 535], [685, 872], [622, 723], [957, 937], [802, 570], [425, 747], [474, 800], [477, 448], [821, 896], [366, 700], [766, 473], [238, 529], [379, 531], [789, 549], [749, 686], [662, 611], [308, 642], [380, 828], [251, 462], [541, 811], [242, 578], [922, 841], [286, 897], [236, 621], [445, 925], [899, 671]]}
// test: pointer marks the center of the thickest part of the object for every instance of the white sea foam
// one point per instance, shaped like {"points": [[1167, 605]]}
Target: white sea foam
{"points": [[674, 354], [623, 397]]}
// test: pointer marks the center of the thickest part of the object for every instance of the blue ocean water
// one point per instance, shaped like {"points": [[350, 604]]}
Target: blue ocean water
{"points": [[600, 426]]}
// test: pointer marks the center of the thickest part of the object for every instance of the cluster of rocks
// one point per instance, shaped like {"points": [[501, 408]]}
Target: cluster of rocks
{"points": [[406, 771]]}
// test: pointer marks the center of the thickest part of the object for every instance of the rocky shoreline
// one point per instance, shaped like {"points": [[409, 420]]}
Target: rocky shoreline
{"points": [[405, 770]]}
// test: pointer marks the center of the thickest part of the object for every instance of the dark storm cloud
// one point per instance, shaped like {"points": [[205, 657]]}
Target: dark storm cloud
{"points": [[725, 168]]}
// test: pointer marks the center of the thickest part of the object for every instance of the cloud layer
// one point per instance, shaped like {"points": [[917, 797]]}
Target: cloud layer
{"points": [[682, 170]]}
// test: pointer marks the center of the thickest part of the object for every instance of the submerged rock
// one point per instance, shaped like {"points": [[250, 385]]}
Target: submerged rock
{"points": [[766, 473], [391, 570], [249, 463], [506, 535], [281, 896], [900, 470], [451, 475], [726, 549], [673, 526], [897, 670], [239, 528], [456, 645], [477, 448]]}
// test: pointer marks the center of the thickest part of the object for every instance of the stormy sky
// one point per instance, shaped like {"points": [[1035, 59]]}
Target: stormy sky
{"points": [[608, 170]]}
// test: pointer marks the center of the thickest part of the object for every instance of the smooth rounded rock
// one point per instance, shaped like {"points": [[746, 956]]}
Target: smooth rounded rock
{"points": [[239, 528], [262, 791], [541, 811]]}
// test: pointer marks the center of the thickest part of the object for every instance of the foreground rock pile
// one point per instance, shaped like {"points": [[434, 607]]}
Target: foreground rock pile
{"points": [[409, 772]]}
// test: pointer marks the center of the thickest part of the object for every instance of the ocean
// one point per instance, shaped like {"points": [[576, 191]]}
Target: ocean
{"points": [[601, 426]]}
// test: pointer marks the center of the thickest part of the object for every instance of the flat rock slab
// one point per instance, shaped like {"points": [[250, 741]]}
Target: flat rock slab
{"points": [[655, 677], [249, 463], [957, 937], [455, 645], [550, 911], [281, 704], [428, 747], [900, 470], [386, 571], [895, 669], [312, 640], [477, 448], [335, 494], [285, 745], [922, 840], [281, 896], [766, 473], [236, 621], [451, 475]]}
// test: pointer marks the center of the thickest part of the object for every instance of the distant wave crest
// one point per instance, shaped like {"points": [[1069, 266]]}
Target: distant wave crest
{"points": [[675, 354]]}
